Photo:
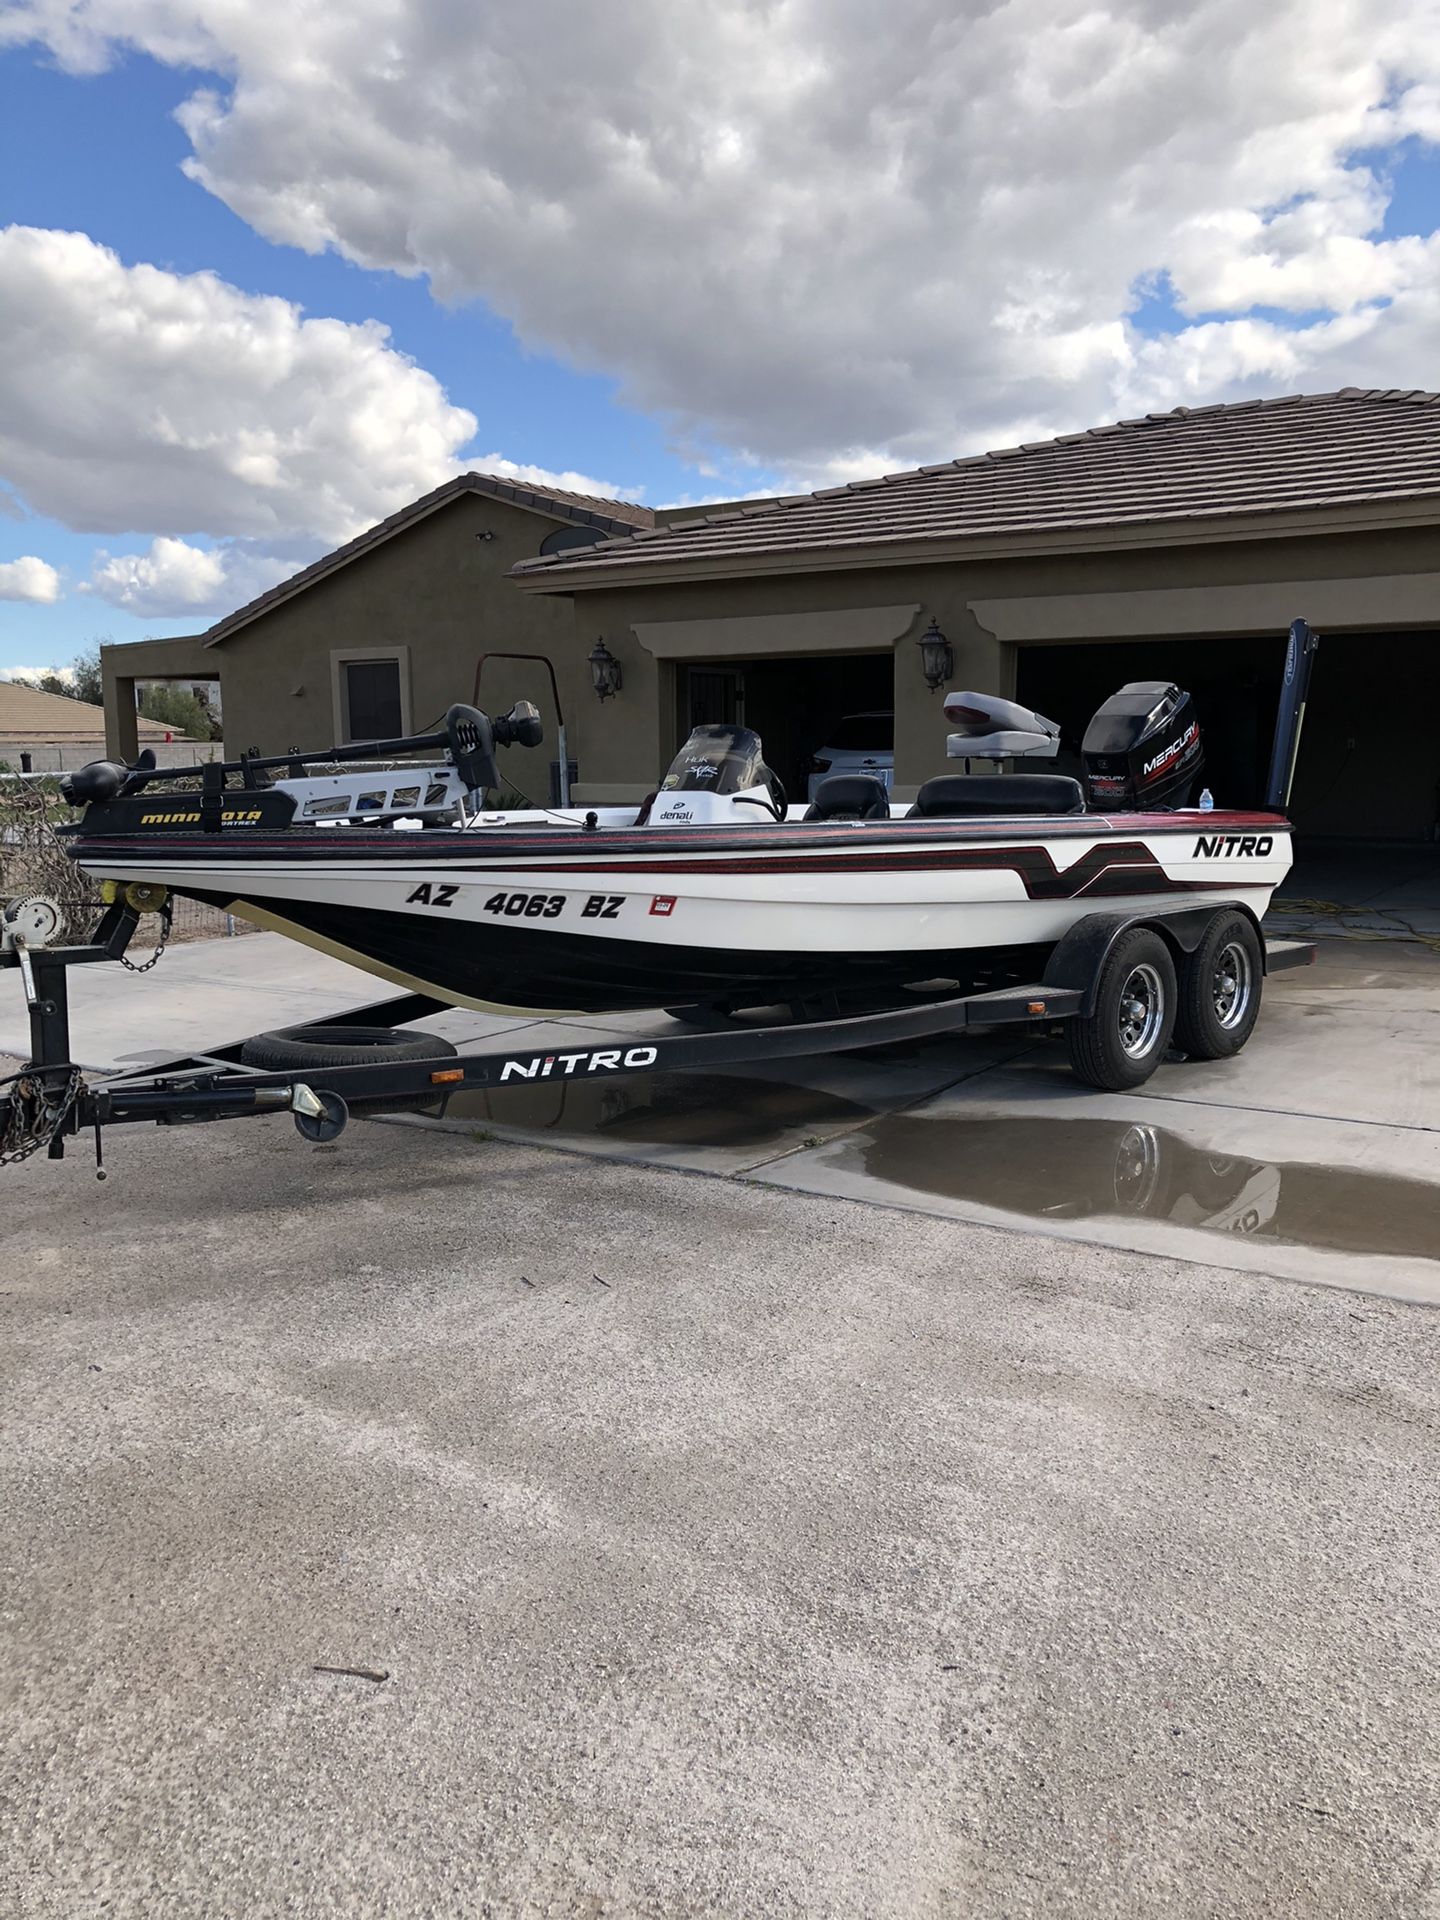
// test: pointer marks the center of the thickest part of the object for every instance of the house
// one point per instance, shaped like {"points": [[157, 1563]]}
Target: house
{"points": [[381, 636], [48, 732], [1178, 546]]}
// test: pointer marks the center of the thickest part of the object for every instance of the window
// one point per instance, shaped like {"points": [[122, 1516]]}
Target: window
{"points": [[372, 705]]}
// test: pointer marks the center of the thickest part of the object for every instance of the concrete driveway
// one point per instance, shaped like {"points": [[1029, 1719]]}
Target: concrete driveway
{"points": [[734, 1545], [726, 1551], [1314, 1154]]}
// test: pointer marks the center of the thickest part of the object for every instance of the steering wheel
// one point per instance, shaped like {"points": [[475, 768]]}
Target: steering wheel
{"points": [[776, 806]]}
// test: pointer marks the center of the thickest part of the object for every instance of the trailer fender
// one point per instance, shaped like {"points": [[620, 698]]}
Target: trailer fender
{"points": [[1077, 959]]}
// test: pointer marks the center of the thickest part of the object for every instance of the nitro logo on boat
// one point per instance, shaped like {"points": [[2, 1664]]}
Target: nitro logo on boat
{"points": [[1172, 752], [1211, 846], [544, 1066]]}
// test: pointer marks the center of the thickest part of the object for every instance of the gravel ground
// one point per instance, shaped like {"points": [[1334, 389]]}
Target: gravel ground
{"points": [[728, 1552]]}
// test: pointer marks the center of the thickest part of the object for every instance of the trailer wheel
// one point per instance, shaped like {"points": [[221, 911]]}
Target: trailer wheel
{"points": [[1122, 1042], [309, 1050], [1220, 982]]}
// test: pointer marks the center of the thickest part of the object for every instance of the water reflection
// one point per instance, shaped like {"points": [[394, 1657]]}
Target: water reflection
{"points": [[1059, 1169]]}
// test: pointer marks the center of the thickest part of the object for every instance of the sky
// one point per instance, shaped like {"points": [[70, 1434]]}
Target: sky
{"points": [[267, 275]]}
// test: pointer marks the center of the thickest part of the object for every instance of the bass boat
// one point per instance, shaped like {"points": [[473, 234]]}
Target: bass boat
{"points": [[714, 893]]}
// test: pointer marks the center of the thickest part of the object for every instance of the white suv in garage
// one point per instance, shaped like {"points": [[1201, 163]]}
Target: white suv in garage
{"points": [[860, 743]]}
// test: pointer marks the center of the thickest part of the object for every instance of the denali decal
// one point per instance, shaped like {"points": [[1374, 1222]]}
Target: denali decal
{"points": [[540, 1066], [1175, 746], [1211, 845]]}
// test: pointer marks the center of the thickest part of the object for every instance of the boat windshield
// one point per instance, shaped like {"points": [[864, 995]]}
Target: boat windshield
{"points": [[717, 760]]}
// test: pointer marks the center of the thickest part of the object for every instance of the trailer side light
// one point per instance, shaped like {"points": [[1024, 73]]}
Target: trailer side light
{"points": [[448, 1074], [1035, 1006]]}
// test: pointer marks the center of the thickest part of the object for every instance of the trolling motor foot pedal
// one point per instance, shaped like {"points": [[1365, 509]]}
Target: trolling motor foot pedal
{"points": [[319, 1116]]}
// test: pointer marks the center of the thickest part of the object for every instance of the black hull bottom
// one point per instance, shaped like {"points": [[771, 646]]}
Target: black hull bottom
{"points": [[529, 970]]}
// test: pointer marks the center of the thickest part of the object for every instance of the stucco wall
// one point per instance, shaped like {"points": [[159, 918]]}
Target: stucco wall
{"points": [[437, 590], [1368, 581]]}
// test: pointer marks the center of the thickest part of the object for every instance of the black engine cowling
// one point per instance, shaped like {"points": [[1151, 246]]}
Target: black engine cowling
{"points": [[1142, 750]]}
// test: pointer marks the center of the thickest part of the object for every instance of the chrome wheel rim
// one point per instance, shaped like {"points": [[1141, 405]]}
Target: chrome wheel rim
{"points": [[1231, 985], [1142, 1011], [1137, 1169]]}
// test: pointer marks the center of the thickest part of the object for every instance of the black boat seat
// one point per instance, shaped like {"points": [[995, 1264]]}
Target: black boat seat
{"points": [[963, 796], [849, 796]]}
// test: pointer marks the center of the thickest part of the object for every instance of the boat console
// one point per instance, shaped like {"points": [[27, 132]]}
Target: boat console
{"points": [[718, 777]]}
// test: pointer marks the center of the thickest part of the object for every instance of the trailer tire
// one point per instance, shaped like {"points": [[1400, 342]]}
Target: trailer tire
{"points": [[309, 1050], [1121, 1043], [1219, 993]]}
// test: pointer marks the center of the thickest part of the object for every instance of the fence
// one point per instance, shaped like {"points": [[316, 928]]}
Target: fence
{"points": [[33, 860], [54, 756]]}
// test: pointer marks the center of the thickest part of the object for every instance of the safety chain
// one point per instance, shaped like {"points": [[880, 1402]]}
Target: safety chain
{"points": [[167, 914], [29, 1119]]}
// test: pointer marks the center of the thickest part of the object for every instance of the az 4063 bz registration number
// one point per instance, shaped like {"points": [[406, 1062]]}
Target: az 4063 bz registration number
{"points": [[520, 906]]}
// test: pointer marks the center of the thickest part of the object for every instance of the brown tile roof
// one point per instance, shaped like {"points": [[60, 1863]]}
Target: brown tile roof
{"points": [[583, 509], [27, 714], [1252, 456]]}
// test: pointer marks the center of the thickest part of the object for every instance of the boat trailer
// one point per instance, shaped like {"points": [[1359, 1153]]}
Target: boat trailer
{"points": [[51, 1101]]}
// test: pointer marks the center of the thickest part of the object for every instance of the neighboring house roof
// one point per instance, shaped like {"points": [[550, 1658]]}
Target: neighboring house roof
{"points": [[27, 714], [582, 509], [1253, 456]]}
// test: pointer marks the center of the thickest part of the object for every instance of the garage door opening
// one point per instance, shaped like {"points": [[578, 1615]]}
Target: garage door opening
{"points": [[1370, 753], [1369, 766], [796, 705], [1235, 685]]}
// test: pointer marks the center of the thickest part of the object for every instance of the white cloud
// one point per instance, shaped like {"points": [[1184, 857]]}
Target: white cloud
{"points": [[136, 399], [173, 578], [813, 235], [34, 673], [29, 578], [525, 475]]}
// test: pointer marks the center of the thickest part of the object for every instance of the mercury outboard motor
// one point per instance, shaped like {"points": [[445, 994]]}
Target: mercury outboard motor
{"points": [[1142, 750]]}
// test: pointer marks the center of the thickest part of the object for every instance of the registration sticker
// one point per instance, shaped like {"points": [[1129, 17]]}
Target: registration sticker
{"points": [[663, 903]]}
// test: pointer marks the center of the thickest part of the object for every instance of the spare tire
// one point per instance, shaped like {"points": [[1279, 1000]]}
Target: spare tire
{"points": [[309, 1050]]}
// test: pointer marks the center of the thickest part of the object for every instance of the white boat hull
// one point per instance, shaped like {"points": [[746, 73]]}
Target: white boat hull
{"points": [[552, 919]]}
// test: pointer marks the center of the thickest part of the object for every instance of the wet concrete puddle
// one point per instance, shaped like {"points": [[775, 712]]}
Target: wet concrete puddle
{"points": [[1055, 1170], [1044, 1168]]}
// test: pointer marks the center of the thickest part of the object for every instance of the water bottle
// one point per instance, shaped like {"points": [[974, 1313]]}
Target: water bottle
{"points": [[1207, 800]]}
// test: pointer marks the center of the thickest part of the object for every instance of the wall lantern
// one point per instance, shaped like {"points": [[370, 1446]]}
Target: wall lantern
{"points": [[937, 656], [604, 670]]}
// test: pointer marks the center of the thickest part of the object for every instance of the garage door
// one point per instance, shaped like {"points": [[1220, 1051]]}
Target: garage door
{"points": [[1369, 764]]}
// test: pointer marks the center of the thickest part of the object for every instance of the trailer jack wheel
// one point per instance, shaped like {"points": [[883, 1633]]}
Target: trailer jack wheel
{"points": [[319, 1114]]}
